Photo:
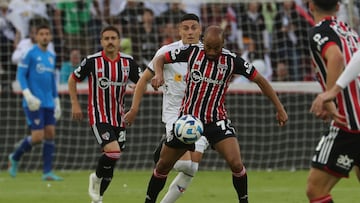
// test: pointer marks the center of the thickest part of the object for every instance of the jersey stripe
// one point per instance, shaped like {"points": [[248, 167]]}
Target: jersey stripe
{"points": [[334, 32], [207, 82]]}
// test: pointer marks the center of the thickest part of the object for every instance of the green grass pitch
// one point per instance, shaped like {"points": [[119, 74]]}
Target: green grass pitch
{"points": [[207, 187]]}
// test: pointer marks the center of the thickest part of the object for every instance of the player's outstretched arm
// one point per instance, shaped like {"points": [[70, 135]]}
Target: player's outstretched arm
{"points": [[158, 79], [264, 85], [75, 106], [137, 96]]}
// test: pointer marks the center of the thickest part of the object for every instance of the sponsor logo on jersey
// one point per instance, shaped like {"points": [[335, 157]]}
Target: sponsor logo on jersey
{"points": [[320, 40], [40, 68], [105, 83], [344, 161], [178, 77], [197, 76]]}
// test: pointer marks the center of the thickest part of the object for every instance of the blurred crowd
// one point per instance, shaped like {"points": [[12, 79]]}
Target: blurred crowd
{"points": [[273, 36]]}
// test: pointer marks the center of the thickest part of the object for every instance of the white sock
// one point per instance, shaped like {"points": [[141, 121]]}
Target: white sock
{"points": [[177, 188]]}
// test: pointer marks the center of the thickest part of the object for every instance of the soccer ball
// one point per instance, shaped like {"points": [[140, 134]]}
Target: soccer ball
{"points": [[188, 129]]}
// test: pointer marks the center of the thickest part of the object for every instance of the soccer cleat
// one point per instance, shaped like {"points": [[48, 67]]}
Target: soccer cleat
{"points": [[100, 200], [13, 166], [94, 188], [51, 177]]}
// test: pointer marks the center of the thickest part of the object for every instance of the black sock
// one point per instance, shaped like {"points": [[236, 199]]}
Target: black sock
{"points": [[240, 185], [105, 170], [156, 184]]}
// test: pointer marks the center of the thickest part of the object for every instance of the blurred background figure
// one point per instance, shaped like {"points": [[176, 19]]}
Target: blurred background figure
{"points": [[7, 37], [70, 65], [20, 12]]}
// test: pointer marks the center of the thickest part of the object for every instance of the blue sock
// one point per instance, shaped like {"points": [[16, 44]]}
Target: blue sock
{"points": [[25, 146], [48, 152]]}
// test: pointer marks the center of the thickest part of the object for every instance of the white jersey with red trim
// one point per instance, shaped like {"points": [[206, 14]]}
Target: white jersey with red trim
{"points": [[174, 87]]}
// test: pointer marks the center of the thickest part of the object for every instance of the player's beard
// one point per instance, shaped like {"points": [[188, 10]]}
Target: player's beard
{"points": [[44, 44]]}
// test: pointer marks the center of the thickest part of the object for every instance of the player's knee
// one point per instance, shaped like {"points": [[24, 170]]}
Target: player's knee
{"points": [[182, 165], [114, 155], [187, 167], [312, 191]]}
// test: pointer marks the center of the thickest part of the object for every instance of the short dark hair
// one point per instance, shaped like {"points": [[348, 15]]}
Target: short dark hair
{"points": [[110, 28], [326, 5], [42, 26], [190, 16]]}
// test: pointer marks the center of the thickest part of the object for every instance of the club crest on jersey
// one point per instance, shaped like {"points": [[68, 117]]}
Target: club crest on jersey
{"points": [[222, 67], [51, 60]]}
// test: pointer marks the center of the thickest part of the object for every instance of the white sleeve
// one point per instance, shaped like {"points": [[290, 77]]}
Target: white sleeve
{"points": [[351, 71], [18, 53]]}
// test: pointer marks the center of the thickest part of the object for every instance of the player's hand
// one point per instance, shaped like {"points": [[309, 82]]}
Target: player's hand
{"points": [[327, 111], [130, 116], [157, 81], [317, 106], [57, 112], [33, 102], [76, 112], [282, 117]]}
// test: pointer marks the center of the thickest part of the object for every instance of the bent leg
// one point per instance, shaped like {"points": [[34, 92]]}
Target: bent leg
{"points": [[319, 185]]}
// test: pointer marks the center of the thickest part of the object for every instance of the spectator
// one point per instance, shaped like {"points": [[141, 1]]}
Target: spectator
{"points": [[72, 21], [131, 16], [252, 26], [68, 67], [290, 41], [146, 42], [21, 11], [261, 63], [107, 11], [172, 15], [7, 37]]}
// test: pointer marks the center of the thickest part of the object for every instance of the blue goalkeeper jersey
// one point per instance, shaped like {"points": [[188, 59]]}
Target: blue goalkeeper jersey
{"points": [[36, 71]]}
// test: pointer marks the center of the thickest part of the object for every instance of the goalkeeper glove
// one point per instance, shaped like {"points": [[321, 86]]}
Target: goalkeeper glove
{"points": [[57, 112], [33, 102]]}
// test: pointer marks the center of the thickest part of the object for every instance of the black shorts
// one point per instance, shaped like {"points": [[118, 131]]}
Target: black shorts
{"points": [[106, 133], [337, 152], [214, 132]]}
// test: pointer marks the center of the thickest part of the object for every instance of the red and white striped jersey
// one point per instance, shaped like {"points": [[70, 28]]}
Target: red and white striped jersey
{"points": [[331, 32], [207, 80], [107, 80]]}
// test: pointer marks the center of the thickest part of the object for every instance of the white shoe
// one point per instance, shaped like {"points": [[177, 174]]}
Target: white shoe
{"points": [[94, 188], [100, 201]]}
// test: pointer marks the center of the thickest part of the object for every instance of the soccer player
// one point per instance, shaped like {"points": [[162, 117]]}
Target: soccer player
{"points": [[189, 31], [36, 75], [210, 69], [350, 73], [108, 73], [332, 44]]}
